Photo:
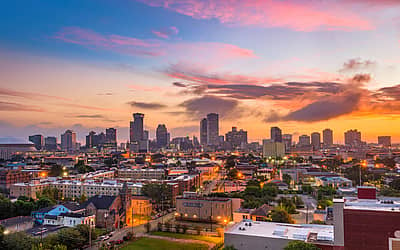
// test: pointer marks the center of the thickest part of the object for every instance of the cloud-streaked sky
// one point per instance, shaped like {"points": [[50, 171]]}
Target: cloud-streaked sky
{"points": [[298, 64]]}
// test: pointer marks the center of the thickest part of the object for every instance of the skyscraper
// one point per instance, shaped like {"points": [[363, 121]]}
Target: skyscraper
{"points": [[162, 136], [352, 137], [276, 134], [236, 138], [304, 140], [212, 129], [136, 128], [90, 139], [50, 143], [111, 136], [273, 149], [68, 141], [287, 140], [38, 140], [316, 140], [327, 137], [203, 131]]}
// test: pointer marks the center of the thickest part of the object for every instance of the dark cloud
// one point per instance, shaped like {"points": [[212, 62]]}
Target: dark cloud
{"points": [[147, 105], [179, 84], [199, 107], [361, 78], [357, 64], [323, 109], [12, 106], [90, 116]]}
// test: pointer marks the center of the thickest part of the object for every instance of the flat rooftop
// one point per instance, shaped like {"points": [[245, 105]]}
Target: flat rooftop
{"points": [[388, 204], [304, 232]]}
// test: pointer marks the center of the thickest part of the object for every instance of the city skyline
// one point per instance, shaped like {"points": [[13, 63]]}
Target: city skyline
{"points": [[256, 69]]}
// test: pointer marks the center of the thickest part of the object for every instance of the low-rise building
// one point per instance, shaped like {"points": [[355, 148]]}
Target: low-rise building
{"points": [[147, 173], [17, 224], [195, 208], [333, 181], [250, 234], [107, 210]]}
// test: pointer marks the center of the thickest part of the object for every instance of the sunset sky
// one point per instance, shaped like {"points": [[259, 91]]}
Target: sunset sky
{"points": [[302, 65]]}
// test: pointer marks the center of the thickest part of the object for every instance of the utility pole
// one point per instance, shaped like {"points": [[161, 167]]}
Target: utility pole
{"points": [[90, 233]]}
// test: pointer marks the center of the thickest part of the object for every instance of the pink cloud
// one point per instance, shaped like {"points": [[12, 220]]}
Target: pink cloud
{"points": [[151, 47], [166, 32], [202, 75], [116, 43], [297, 15]]}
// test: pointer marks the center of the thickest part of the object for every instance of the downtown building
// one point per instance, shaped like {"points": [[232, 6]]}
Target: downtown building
{"points": [[68, 141], [236, 138], [139, 141], [327, 137], [162, 136], [209, 131]]}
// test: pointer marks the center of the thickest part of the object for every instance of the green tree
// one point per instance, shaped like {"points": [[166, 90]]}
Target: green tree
{"points": [[281, 215], [71, 237], [286, 178], [56, 170], [233, 174], [84, 232], [395, 184], [300, 245], [7, 208], [18, 241]]}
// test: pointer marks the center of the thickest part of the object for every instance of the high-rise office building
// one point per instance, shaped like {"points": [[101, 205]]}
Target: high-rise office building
{"points": [[90, 139], [136, 128], [352, 137], [316, 140], [146, 135], [276, 134], [327, 137], [50, 143], [287, 140], [304, 140], [38, 140], [68, 141], [273, 149], [111, 136], [203, 131], [213, 129], [162, 136], [385, 141], [236, 138]]}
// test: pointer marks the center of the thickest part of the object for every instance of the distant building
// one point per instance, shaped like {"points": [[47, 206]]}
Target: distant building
{"points": [[38, 140], [203, 131], [352, 137], [136, 128], [9, 177], [213, 129], [235, 138], [7, 150], [276, 134], [304, 140], [68, 141], [316, 140], [273, 149], [162, 136], [95, 140], [287, 140], [111, 136], [385, 141], [327, 137], [50, 143]]}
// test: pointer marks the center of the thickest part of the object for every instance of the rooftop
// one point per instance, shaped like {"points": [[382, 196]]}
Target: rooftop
{"points": [[389, 204], [304, 232]]}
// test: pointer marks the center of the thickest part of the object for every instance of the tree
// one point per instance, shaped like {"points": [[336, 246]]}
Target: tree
{"points": [[300, 245], [286, 178], [395, 184], [44, 202], [280, 215], [56, 170], [71, 237], [233, 174], [18, 241], [84, 232]]}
